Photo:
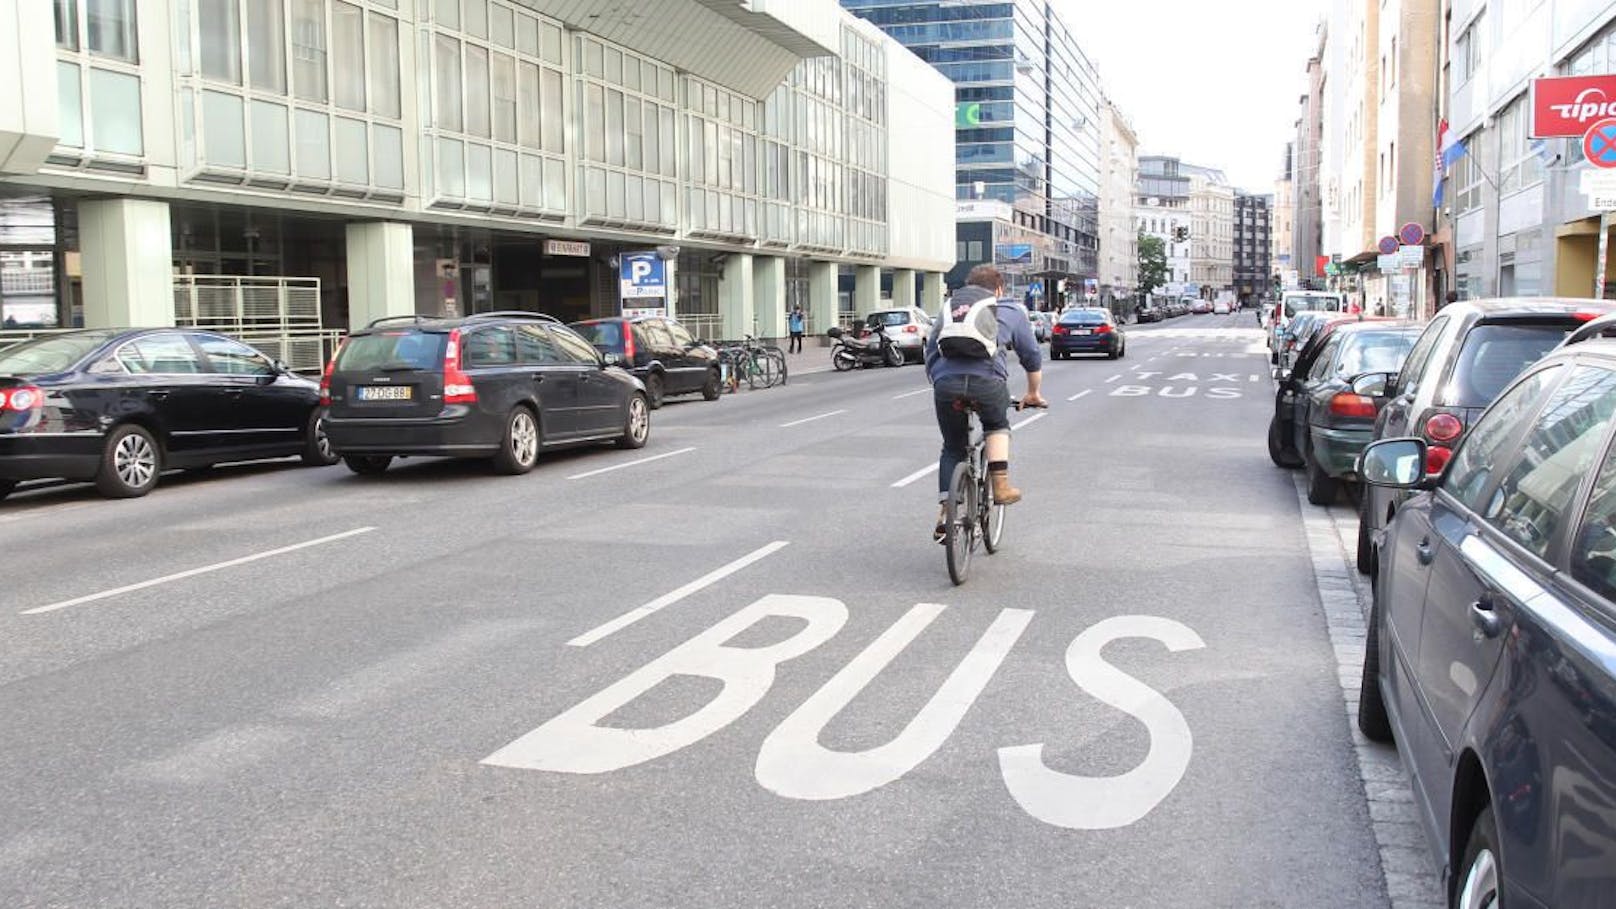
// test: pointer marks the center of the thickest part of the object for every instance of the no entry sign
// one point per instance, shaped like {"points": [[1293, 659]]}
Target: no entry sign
{"points": [[1599, 143]]}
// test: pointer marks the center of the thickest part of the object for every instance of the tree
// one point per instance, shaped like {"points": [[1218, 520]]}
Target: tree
{"points": [[1152, 263]]}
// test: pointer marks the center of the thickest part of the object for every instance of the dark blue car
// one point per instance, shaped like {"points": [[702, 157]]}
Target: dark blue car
{"points": [[1491, 654], [1086, 331]]}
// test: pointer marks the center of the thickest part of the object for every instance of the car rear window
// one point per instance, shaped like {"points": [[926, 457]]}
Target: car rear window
{"points": [[1083, 318], [607, 336], [889, 318], [408, 349], [46, 355], [1494, 354], [1374, 351], [1312, 302]]}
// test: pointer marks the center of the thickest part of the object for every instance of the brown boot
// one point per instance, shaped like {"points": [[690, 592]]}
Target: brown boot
{"points": [[1003, 492]]}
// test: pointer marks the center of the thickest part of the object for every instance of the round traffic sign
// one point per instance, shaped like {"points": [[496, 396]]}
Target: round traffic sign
{"points": [[1599, 143], [1412, 234], [1388, 245]]}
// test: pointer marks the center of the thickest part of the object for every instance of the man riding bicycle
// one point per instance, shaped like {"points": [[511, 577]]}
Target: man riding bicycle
{"points": [[981, 381]]}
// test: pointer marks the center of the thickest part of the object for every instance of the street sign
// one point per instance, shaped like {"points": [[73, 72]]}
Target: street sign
{"points": [[1388, 245], [1332, 269], [1599, 143], [1388, 262], [1410, 256], [1411, 234], [566, 248], [642, 275], [1563, 107]]}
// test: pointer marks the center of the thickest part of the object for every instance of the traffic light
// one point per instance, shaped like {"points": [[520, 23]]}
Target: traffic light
{"points": [[1181, 234]]}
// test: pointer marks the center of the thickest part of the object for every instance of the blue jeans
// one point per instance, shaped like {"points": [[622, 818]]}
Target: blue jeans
{"points": [[992, 399]]}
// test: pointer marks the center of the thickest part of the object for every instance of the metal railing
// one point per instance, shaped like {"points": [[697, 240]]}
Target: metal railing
{"points": [[279, 316], [12, 336]]}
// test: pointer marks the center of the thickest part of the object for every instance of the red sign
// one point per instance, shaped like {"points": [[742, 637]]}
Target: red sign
{"points": [[1566, 107], [1599, 144], [1411, 234]]}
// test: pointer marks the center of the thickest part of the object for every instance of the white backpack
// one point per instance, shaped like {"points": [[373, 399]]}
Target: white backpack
{"points": [[970, 330]]}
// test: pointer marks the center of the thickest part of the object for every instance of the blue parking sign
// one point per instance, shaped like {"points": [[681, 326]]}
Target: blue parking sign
{"points": [[642, 275]]}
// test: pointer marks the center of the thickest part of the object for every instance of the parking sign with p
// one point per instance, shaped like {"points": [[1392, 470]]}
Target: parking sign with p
{"points": [[642, 275]]}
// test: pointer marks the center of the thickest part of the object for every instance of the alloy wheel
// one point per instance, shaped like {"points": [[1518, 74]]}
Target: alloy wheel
{"points": [[322, 442], [524, 438], [1480, 889], [135, 461], [639, 419]]}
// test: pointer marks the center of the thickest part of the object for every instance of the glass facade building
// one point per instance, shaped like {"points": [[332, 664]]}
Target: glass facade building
{"points": [[443, 157], [1027, 119]]}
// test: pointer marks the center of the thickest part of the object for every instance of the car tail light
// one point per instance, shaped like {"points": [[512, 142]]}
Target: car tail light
{"points": [[25, 397], [911, 330], [1102, 329], [1348, 404], [1436, 459], [457, 387], [1586, 316], [628, 343], [1443, 427], [1060, 329], [325, 377]]}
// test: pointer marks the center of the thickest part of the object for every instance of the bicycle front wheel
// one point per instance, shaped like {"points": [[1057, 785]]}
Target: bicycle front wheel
{"points": [[960, 525], [992, 516]]}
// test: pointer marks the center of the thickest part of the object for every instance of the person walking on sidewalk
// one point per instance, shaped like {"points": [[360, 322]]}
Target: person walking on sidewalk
{"points": [[794, 324]]}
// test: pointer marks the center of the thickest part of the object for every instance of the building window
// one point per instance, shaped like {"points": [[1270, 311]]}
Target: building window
{"points": [[111, 28], [1469, 50], [219, 24], [1519, 165], [309, 50], [348, 41]]}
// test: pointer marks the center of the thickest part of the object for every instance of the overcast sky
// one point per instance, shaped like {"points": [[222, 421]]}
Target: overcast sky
{"points": [[1215, 83]]}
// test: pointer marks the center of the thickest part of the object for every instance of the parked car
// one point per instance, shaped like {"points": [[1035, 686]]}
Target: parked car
{"points": [[1222, 308], [1152, 312], [1324, 415], [1299, 332], [1087, 331], [1293, 302], [502, 386], [120, 406], [1201, 307], [659, 351], [1468, 353], [1491, 650], [907, 326]]}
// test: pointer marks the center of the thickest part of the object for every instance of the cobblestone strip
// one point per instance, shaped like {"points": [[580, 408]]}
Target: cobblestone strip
{"points": [[1405, 858]]}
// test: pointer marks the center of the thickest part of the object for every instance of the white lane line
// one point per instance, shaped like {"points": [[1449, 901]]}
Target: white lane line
{"points": [[1114, 378], [910, 394], [1032, 419], [1081, 394], [922, 472], [191, 573], [668, 599], [810, 419], [596, 473]]}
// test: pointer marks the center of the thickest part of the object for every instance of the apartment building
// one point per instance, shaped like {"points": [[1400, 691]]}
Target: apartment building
{"points": [[1211, 229], [1119, 174]]}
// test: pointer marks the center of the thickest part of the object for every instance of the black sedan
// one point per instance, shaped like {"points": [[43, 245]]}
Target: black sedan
{"points": [[119, 406], [1491, 653], [1087, 331]]}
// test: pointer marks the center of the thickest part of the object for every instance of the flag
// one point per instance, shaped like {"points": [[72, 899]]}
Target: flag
{"points": [[1436, 162], [1449, 146]]}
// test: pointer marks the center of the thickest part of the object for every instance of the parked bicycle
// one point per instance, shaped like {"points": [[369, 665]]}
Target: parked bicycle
{"points": [[760, 365], [971, 516]]}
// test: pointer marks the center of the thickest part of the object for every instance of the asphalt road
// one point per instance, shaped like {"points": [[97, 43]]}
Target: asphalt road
{"points": [[730, 672]]}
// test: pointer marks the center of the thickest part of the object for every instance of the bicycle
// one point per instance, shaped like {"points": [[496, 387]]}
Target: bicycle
{"points": [[760, 364], [971, 516]]}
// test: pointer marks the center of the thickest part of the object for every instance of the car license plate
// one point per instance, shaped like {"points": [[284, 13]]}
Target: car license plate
{"points": [[385, 393], [1082, 331]]}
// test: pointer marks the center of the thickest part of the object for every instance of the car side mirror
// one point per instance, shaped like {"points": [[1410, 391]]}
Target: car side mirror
{"points": [[1394, 463], [1281, 374], [1372, 384], [282, 368]]}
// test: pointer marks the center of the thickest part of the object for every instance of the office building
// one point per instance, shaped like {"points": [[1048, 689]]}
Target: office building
{"points": [[1253, 236]]}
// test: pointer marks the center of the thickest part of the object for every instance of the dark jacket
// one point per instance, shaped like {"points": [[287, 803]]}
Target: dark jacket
{"points": [[1015, 333]]}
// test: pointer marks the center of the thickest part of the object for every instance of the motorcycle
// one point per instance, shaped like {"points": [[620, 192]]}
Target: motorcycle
{"points": [[875, 350]]}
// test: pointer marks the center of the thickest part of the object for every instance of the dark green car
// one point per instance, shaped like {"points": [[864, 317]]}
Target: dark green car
{"points": [[1325, 408]]}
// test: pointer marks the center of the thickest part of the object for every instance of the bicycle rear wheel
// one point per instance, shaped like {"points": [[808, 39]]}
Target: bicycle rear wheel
{"points": [[992, 516], [960, 524], [778, 358]]}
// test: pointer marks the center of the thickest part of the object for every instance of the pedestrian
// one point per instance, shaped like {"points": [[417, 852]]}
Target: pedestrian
{"points": [[795, 324]]}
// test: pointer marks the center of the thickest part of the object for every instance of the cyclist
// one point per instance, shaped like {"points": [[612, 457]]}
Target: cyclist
{"points": [[983, 381]]}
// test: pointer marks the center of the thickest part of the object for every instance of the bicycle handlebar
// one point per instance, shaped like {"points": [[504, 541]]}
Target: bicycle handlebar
{"points": [[1018, 405]]}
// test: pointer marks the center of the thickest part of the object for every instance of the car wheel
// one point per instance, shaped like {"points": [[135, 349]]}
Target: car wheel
{"points": [[1366, 550], [1321, 487], [130, 463], [654, 389], [636, 423], [711, 389], [1483, 872], [1372, 719], [317, 450], [519, 449], [1277, 452], [367, 465], [6, 486]]}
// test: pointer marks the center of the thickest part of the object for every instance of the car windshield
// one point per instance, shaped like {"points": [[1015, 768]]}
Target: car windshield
{"points": [[393, 350], [606, 335], [1312, 302], [1494, 354], [896, 317], [50, 354], [1083, 317], [1375, 351]]}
